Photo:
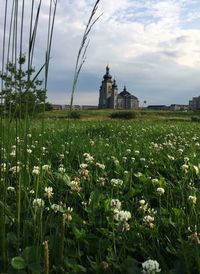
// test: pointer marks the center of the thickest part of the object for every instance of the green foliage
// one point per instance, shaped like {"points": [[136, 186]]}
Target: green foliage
{"points": [[74, 114], [88, 239], [22, 91], [123, 115]]}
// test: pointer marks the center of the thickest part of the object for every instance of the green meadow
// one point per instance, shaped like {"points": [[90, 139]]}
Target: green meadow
{"points": [[100, 195]]}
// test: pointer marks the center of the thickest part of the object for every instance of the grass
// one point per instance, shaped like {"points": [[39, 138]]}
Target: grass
{"points": [[140, 114], [117, 171]]}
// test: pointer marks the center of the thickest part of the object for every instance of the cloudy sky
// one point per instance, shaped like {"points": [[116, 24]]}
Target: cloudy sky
{"points": [[152, 46]]}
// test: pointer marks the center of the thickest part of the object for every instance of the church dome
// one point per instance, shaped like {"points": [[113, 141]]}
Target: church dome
{"points": [[107, 76], [124, 93]]}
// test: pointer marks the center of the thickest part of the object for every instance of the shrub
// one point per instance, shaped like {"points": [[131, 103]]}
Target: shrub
{"points": [[74, 114], [123, 115]]}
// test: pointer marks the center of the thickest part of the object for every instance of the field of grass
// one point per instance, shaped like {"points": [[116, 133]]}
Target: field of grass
{"points": [[141, 114], [105, 196]]}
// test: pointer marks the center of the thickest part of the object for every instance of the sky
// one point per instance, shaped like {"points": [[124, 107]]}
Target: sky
{"points": [[151, 46]]}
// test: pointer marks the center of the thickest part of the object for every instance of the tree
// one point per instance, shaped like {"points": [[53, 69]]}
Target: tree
{"points": [[22, 91]]}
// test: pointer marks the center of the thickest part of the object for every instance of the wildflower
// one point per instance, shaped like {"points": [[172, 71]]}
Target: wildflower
{"points": [[46, 167], [148, 220], [116, 182], [128, 150], [186, 159], [29, 151], [185, 167], [154, 181], [15, 169], [29, 135], [11, 188], [83, 166], [36, 170], [49, 192], [101, 166], [122, 215], [75, 185], [194, 238], [61, 169], [137, 152], [101, 181], [13, 153], [160, 190], [143, 205], [67, 217], [88, 158], [56, 208], [192, 199], [38, 203], [115, 204], [150, 267]]}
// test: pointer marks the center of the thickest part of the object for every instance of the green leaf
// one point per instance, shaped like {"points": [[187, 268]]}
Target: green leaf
{"points": [[18, 263]]}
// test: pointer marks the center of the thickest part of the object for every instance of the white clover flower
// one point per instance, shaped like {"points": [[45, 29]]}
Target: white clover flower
{"points": [[185, 168], [115, 204], [11, 188], [49, 192], [75, 185], [192, 199], [186, 159], [38, 203], [136, 152], [154, 181], [128, 150], [61, 169], [15, 169], [36, 170], [83, 166], [116, 182], [142, 202], [46, 167], [29, 135], [148, 220], [57, 208], [160, 190], [13, 153], [88, 158], [122, 215], [150, 267], [29, 151], [101, 166]]}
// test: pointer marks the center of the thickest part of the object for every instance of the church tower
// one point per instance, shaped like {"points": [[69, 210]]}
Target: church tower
{"points": [[105, 91]]}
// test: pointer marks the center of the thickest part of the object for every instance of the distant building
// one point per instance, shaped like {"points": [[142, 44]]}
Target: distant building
{"points": [[158, 107], [194, 104], [56, 107], [179, 107], [109, 97]]}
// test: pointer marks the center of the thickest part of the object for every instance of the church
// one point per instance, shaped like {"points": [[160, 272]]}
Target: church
{"points": [[110, 98]]}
